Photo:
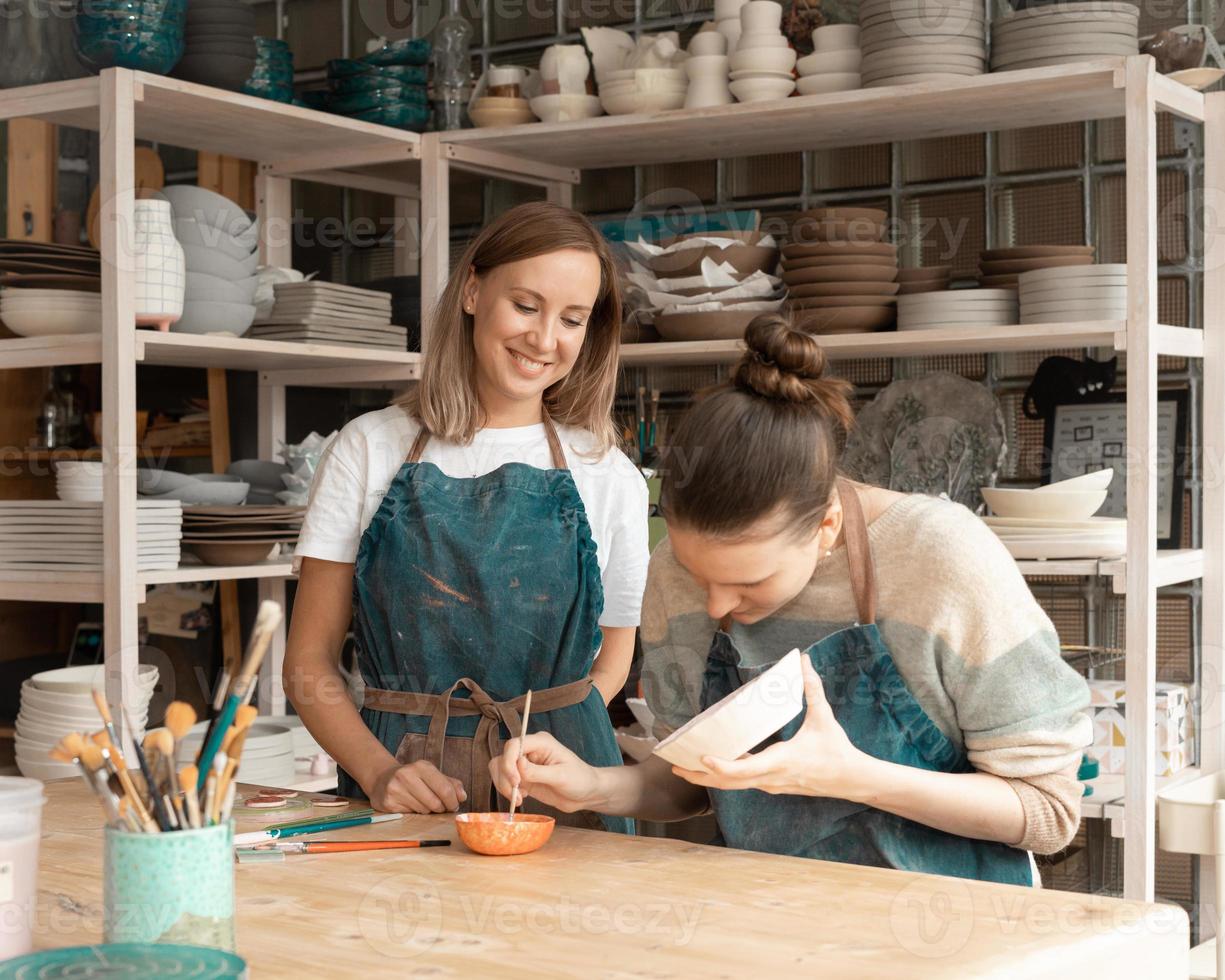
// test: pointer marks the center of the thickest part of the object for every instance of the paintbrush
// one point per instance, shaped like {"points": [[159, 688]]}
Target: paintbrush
{"points": [[266, 622], [344, 846], [158, 747], [114, 761], [527, 710], [264, 836], [68, 749], [180, 717], [210, 788], [91, 759], [187, 786], [151, 785], [233, 756]]}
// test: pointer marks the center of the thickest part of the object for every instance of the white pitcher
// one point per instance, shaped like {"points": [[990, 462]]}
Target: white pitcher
{"points": [[160, 271]]}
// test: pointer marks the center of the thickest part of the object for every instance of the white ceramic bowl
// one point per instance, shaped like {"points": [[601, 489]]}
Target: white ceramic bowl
{"points": [[207, 316], [209, 208], [753, 73], [761, 89], [46, 771], [85, 679], [52, 322], [762, 59], [565, 108], [202, 286], [201, 493], [634, 102], [1097, 480], [1055, 505], [214, 262], [742, 720], [831, 82], [190, 232], [70, 301], [827, 62], [836, 37]]}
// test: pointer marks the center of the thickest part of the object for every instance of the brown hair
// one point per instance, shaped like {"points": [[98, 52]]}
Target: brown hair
{"points": [[445, 400], [764, 444]]}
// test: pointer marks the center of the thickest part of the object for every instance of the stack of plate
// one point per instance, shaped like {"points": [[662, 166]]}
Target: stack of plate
{"points": [[905, 41], [78, 480], [304, 745], [957, 308], [1095, 292], [63, 536], [57, 702], [1056, 520], [267, 754], [33, 312], [1063, 33], [839, 272], [999, 267], [43, 264], [264, 477], [239, 535], [929, 279], [330, 313]]}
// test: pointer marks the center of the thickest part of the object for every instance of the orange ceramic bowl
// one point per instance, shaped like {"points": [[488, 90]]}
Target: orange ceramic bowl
{"points": [[496, 833]]}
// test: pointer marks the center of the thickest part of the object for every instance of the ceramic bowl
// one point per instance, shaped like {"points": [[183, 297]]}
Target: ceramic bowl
{"points": [[501, 835], [227, 71], [406, 51], [1097, 480], [485, 116], [761, 89], [208, 316], [51, 321], [376, 78], [634, 102], [231, 552], [836, 37], [742, 720], [565, 108], [202, 286], [189, 232], [83, 680], [1050, 504], [762, 59], [828, 82], [202, 494], [210, 208], [391, 96], [758, 42], [152, 51], [826, 62]]}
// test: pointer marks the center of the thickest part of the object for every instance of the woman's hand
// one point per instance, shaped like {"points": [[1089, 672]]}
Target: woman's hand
{"points": [[547, 771], [418, 787], [819, 760]]}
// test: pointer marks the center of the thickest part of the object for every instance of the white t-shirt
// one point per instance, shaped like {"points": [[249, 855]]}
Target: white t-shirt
{"points": [[365, 456]]}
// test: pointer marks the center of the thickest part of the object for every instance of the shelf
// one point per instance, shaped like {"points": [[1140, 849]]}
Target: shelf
{"points": [[310, 362], [218, 573], [87, 586], [984, 103], [200, 117], [1106, 803], [1173, 566]]}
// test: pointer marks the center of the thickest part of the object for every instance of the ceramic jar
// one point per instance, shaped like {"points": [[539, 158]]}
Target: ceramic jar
{"points": [[707, 81], [160, 271]]}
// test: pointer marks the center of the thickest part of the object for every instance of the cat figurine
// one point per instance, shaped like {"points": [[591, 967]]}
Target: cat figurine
{"points": [[1065, 380]]}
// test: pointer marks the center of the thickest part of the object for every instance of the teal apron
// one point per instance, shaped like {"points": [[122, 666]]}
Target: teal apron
{"points": [[882, 718], [466, 594]]}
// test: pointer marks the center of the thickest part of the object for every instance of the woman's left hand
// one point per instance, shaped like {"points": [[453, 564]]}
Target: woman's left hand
{"points": [[819, 760]]}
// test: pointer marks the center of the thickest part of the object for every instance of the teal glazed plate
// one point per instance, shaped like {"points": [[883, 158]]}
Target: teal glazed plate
{"points": [[353, 84], [364, 101], [132, 961], [402, 116], [347, 68], [410, 51]]}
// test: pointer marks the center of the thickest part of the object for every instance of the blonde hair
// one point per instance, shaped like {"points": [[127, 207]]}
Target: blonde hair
{"points": [[445, 401]]}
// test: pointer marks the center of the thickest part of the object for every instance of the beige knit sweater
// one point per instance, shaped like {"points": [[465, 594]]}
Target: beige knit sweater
{"points": [[973, 646]]}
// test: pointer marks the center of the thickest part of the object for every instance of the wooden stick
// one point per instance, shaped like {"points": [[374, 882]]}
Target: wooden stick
{"points": [[527, 710]]}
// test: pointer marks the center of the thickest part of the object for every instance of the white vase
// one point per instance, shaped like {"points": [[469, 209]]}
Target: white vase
{"points": [[707, 81], [160, 271]]}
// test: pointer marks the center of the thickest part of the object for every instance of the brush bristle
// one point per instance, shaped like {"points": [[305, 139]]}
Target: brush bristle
{"points": [[72, 743], [104, 709], [91, 755], [161, 741], [245, 715], [101, 739], [269, 616], [59, 754], [228, 738], [188, 776], [180, 716], [235, 749]]}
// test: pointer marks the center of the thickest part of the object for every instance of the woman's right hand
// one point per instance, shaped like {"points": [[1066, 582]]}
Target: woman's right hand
{"points": [[418, 787], [547, 771]]}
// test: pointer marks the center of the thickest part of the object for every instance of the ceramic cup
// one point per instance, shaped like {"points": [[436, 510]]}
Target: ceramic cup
{"points": [[707, 43], [761, 17], [835, 37]]}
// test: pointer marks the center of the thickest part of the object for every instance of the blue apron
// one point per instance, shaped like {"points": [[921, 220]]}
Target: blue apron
{"points": [[466, 594], [882, 718]]}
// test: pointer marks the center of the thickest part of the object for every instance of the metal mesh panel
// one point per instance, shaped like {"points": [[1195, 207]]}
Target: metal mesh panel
{"points": [[851, 167], [766, 176], [516, 20], [603, 191], [944, 159], [1024, 461], [679, 183], [1040, 214], [588, 14], [1067, 614], [1023, 364], [1110, 141], [944, 229], [865, 371], [1175, 651], [1110, 196], [1174, 302], [1175, 877], [1020, 151], [972, 366]]}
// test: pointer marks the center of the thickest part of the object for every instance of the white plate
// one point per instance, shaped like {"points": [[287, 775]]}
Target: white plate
{"points": [[961, 296], [1110, 270], [47, 771], [1009, 524], [73, 680], [1066, 505], [1096, 293], [1053, 548]]}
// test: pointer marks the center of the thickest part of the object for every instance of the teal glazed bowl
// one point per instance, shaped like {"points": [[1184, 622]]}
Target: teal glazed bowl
{"points": [[402, 116], [365, 101], [151, 51], [352, 84], [409, 51]]}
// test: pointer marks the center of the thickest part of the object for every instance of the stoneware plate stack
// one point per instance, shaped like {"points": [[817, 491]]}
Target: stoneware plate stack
{"points": [[840, 276], [239, 535], [46, 265], [906, 41], [1059, 34], [46, 312], [957, 308], [1070, 295], [66, 536], [999, 267], [331, 313], [928, 279], [267, 755]]}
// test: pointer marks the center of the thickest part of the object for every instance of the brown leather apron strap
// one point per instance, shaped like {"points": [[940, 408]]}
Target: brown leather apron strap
{"points": [[858, 553], [550, 432], [487, 740]]}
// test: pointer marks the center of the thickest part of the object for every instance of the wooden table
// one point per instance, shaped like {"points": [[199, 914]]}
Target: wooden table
{"points": [[602, 905]]}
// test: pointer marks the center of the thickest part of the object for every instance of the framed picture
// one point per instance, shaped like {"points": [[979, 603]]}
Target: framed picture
{"points": [[1086, 436]]}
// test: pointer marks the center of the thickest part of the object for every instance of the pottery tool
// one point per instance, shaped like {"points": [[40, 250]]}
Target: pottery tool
{"points": [[115, 763], [152, 789], [187, 786], [345, 846], [265, 836], [266, 622], [527, 710]]}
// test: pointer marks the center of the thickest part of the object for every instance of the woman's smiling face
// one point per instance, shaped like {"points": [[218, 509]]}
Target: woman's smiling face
{"points": [[530, 321]]}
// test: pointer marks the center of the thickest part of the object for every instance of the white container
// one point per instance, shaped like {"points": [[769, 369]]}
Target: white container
{"points": [[567, 65], [773, 42], [21, 808], [761, 89], [706, 43], [160, 266], [761, 17], [835, 37], [707, 81]]}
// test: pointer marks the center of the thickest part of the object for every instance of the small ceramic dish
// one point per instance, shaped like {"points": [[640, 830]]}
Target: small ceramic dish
{"points": [[836, 37], [828, 62], [825, 83], [1060, 505], [1097, 480], [761, 89], [501, 835]]}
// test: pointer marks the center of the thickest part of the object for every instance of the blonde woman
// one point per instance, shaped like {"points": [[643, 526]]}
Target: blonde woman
{"points": [[484, 533]]}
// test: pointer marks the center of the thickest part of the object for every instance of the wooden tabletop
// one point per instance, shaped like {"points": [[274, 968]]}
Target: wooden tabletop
{"points": [[604, 905]]}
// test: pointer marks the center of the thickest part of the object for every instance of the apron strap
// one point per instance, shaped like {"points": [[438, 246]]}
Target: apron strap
{"points": [[858, 553], [550, 431], [487, 741]]}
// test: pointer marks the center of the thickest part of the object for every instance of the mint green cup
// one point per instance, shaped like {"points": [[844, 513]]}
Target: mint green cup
{"points": [[173, 887]]}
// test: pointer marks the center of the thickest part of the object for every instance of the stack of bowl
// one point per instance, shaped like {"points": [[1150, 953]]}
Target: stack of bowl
{"points": [[1096, 292], [999, 267], [1063, 33], [905, 41], [57, 702], [839, 272], [198, 489], [31, 312], [79, 480], [630, 90], [267, 755], [146, 35], [834, 63], [220, 242], [273, 74], [957, 308], [240, 535], [929, 279], [391, 95], [1056, 520], [220, 49], [763, 62], [495, 110], [263, 475]]}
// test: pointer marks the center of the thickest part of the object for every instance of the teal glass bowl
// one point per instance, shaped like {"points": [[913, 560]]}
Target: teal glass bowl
{"points": [[151, 51], [410, 51], [367, 77], [365, 101]]}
